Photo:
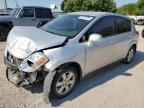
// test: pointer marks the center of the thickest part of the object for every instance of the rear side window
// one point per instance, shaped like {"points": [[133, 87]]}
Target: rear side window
{"points": [[104, 26], [122, 25], [43, 13]]}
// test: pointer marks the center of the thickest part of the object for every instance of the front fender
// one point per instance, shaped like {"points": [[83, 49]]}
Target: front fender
{"points": [[66, 54], [8, 24]]}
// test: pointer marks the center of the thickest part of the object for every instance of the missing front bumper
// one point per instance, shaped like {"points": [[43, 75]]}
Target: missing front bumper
{"points": [[16, 77]]}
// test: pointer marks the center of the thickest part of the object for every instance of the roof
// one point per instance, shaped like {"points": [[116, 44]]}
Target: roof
{"points": [[35, 7], [94, 14]]}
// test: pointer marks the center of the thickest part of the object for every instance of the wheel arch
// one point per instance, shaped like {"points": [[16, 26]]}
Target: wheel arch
{"points": [[74, 64], [7, 24], [134, 45]]}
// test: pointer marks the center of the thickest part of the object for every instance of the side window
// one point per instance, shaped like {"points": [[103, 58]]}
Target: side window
{"points": [[43, 13], [28, 12], [122, 25], [104, 26]]}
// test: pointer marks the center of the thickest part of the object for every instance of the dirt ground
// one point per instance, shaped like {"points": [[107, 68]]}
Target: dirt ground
{"points": [[121, 86]]}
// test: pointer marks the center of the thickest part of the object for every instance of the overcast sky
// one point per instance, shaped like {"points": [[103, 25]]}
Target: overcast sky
{"points": [[46, 3]]}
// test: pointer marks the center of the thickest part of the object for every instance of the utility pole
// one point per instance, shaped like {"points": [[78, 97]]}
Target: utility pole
{"points": [[5, 4]]}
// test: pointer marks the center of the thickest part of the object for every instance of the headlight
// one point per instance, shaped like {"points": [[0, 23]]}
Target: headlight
{"points": [[33, 62], [37, 59]]}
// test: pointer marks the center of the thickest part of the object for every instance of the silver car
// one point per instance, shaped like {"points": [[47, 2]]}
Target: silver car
{"points": [[68, 48]]}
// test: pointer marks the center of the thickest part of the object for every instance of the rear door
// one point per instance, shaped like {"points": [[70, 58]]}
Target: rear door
{"points": [[123, 36], [27, 17]]}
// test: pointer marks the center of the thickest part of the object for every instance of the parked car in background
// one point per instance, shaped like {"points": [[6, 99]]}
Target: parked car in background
{"points": [[68, 48], [24, 16], [139, 20]]}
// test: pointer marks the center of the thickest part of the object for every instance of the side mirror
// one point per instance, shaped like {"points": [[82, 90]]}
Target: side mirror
{"points": [[95, 37]]}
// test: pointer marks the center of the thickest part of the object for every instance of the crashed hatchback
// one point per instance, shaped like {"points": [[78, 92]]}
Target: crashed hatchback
{"points": [[66, 49]]}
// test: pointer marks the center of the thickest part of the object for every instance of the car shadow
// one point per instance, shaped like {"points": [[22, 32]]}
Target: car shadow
{"points": [[95, 79]]}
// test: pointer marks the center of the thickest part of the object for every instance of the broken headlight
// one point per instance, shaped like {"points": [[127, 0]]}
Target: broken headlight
{"points": [[33, 62]]}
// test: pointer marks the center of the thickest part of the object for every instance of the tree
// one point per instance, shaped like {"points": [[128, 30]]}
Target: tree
{"points": [[105, 5], [141, 4], [63, 4], [129, 9], [88, 5]]}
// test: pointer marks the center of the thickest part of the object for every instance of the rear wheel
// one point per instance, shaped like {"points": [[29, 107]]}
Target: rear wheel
{"points": [[143, 33], [3, 32], [130, 55]]}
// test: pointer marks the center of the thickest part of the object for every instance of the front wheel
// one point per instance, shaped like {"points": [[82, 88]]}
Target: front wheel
{"points": [[64, 82], [3, 32], [130, 55]]}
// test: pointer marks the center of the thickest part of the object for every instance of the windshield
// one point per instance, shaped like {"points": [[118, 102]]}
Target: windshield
{"points": [[67, 25], [15, 12]]}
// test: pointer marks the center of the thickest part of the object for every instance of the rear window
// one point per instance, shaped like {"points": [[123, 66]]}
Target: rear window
{"points": [[122, 25], [43, 13]]}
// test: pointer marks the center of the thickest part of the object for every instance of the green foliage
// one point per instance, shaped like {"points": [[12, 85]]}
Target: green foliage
{"points": [[141, 4], [103, 5], [129, 9], [88, 5], [132, 9]]}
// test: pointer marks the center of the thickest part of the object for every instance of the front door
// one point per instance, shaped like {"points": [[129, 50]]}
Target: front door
{"points": [[27, 17], [102, 52]]}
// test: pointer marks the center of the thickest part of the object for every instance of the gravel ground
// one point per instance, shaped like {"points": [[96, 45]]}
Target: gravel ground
{"points": [[121, 86]]}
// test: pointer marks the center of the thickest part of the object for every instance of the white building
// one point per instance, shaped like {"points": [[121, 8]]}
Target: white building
{"points": [[4, 10]]}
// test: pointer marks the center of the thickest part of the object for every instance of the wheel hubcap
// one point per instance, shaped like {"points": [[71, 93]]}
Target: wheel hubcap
{"points": [[65, 83], [130, 55]]}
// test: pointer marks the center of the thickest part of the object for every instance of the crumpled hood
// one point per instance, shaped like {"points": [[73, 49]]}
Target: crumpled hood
{"points": [[7, 18], [22, 41]]}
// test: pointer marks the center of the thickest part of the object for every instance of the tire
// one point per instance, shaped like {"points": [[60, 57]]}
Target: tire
{"points": [[130, 55], [3, 32], [143, 33], [61, 84]]}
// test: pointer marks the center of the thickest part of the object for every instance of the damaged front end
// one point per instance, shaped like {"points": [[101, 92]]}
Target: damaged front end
{"points": [[23, 72]]}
